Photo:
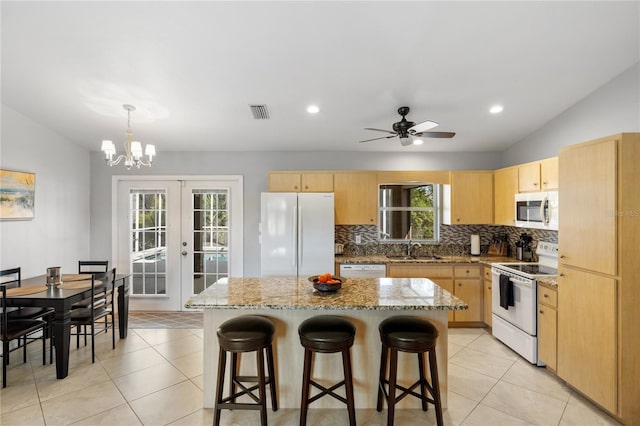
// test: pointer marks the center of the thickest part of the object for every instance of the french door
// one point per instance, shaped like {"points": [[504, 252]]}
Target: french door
{"points": [[177, 236]]}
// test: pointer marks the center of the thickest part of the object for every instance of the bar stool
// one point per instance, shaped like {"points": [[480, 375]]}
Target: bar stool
{"points": [[327, 334], [248, 333], [413, 335]]}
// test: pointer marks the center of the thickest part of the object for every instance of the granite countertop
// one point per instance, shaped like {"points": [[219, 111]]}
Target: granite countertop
{"points": [[380, 258], [355, 294], [548, 281]]}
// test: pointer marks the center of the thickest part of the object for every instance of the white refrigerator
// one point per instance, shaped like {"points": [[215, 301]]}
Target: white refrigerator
{"points": [[296, 234]]}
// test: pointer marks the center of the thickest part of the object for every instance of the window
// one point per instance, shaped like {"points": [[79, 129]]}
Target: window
{"points": [[409, 211]]}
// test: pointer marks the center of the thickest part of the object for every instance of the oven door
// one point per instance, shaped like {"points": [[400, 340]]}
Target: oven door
{"points": [[523, 314]]}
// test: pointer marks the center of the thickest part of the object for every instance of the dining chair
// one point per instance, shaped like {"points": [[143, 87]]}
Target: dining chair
{"points": [[16, 329], [12, 278], [97, 268], [102, 295]]}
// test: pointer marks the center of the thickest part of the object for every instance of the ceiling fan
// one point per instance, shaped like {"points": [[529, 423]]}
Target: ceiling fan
{"points": [[405, 129]]}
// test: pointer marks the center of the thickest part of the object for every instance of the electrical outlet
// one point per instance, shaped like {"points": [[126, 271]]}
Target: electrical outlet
{"points": [[358, 239]]}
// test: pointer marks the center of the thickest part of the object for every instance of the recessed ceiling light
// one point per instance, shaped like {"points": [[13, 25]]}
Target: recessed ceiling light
{"points": [[417, 142], [313, 109], [496, 109]]}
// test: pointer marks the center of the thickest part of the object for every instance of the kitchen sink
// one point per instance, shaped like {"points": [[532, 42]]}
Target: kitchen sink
{"points": [[405, 257]]}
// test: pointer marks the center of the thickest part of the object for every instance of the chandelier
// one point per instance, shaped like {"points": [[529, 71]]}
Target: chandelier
{"points": [[132, 149]]}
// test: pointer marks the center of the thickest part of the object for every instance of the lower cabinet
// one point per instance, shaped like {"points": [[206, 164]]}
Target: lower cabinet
{"points": [[487, 296], [548, 326], [463, 281]]}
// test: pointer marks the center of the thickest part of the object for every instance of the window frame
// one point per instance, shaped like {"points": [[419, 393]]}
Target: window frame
{"points": [[437, 212]]}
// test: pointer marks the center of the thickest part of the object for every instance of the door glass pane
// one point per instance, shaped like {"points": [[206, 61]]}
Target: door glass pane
{"points": [[147, 210], [210, 237]]}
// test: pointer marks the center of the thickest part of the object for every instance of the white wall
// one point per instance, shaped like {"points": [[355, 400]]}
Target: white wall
{"points": [[59, 234], [613, 108], [254, 166]]}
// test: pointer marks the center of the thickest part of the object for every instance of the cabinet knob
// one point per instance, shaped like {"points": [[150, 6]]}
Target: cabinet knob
{"points": [[459, 284], [535, 183], [545, 183], [562, 256], [561, 275], [545, 295], [541, 312], [306, 187], [458, 220], [489, 287], [295, 187]]}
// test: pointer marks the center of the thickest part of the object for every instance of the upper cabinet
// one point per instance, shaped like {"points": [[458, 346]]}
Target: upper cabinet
{"points": [[468, 200], [356, 198], [538, 175], [300, 182], [505, 189]]}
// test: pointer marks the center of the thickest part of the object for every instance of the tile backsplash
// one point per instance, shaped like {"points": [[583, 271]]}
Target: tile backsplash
{"points": [[454, 239]]}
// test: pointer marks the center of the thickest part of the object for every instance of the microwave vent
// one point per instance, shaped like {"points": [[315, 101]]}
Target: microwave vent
{"points": [[260, 112]]}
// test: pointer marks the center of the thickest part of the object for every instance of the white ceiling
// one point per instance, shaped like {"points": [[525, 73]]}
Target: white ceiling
{"points": [[192, 69]]}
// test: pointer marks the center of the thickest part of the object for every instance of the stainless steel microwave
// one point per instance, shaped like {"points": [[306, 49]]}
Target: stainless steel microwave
{"points": [[537, 210]]}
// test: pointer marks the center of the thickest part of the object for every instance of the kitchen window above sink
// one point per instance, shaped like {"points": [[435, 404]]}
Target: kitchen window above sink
{"points": [[409, 211]]}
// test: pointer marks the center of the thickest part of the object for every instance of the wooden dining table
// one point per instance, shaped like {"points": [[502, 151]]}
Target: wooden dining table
{"points": [[74, 288]]}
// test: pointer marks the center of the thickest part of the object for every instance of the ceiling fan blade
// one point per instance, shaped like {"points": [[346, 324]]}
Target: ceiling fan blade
{"points": [[382, 130], [375, 139], [435, 134], [423, 127]]}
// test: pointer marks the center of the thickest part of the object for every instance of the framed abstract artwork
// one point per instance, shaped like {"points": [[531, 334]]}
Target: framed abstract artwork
{"points": [[17, 195]]}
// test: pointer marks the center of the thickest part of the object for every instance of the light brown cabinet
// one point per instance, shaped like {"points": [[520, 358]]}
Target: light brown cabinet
{"points": [[505, 189], [488, 295], [356, 198], [598, 292], [463, 281], [538, 175], [548, 326], [300, 182], [469, 198]]}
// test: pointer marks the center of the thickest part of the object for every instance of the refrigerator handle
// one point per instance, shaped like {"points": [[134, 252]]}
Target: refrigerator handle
{"points": [[300, 236], [294, 237]]}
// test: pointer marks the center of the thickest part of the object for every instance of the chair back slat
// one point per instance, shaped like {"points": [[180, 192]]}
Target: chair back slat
{"points": [[93, 266], [11, 277]]}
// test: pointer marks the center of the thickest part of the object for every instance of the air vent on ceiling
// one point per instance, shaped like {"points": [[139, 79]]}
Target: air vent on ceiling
{"points": [[260, 112]]}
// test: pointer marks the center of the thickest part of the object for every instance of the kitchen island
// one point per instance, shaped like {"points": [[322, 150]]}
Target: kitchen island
{"points": [[289, 301]]}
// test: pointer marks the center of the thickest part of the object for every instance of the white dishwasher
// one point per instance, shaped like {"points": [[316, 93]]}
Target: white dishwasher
{"points": [[363, 270]]}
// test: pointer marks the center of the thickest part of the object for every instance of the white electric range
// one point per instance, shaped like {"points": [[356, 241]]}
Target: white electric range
{"points": [[515, 321]]}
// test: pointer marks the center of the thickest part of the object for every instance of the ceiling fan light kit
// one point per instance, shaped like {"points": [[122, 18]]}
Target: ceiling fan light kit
{"points": [[133, 149], [406, 130]]}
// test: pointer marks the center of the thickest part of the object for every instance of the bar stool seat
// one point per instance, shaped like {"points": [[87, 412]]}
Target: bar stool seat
{"points": [[413, 335], [248, 333], [327, 334]]}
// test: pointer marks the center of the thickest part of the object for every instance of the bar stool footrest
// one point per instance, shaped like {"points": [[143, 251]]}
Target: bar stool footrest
{"points": [[327, 391], [408, 391]]}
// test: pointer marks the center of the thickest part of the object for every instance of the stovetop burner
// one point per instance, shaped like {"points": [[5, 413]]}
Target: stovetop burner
{"points": [[532, 269]]}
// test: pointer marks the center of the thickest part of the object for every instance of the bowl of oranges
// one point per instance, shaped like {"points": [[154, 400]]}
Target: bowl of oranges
{"points": [[326, 282]]}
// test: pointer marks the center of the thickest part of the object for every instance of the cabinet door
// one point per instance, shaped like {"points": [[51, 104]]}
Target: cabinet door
{"points": [[587, 207], [471, 197], [549, 173], [469, 290], [587, 334], [487, 296], [284, 182], [505, 188], [529, 177], [317, 182], [356, 198], [547, 333]]}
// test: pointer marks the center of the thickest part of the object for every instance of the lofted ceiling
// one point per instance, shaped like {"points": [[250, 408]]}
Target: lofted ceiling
{"points": [[193, 68]]}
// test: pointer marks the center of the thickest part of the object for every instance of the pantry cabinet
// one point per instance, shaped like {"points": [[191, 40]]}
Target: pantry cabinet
{"points": [[547, 326], [538, 175], [598, 292], [300, 182], [468, 199], [505, 189], [356, 198], [463, 281]]}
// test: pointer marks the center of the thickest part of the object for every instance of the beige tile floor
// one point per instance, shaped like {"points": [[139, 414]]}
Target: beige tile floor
{"points": [[154, 377]]}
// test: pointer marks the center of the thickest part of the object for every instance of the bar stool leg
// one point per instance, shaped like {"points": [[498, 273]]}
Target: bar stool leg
{"points": [[423, 386], [262, 388], [233, 373], [435, 385], [383, 376], [393, 374], [306, 379], [222, 360], [348, 382], [272, 378]]}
